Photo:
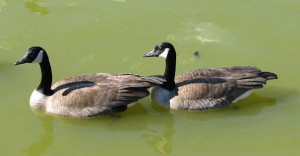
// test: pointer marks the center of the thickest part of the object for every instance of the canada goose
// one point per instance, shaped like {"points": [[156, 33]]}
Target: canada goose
{"points": [[204, 89], [85, 95]]}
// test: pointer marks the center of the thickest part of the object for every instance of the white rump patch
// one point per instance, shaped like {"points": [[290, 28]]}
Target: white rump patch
{"points": [[246, 94], [131, 104], [165, 53], [39, 58]]}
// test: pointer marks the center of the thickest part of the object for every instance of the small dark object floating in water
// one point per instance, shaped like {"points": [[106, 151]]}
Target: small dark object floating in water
{"points": [[196, 53]]}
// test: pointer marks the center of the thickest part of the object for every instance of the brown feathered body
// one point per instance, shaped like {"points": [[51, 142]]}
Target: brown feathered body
{"points": [[211, 88], [85, 95], [94, 94]]}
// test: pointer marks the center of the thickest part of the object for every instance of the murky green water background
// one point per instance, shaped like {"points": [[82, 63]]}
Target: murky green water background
{"points": [[84, 36]]}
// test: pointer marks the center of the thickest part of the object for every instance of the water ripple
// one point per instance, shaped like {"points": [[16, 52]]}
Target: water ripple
{"points": [[74, 4], [37, 6], [203, 32], [3, 4], [122, 1]]}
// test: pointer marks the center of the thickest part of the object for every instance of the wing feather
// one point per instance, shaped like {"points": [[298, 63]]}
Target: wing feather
{"points": [[215, 87], [94, 94]]}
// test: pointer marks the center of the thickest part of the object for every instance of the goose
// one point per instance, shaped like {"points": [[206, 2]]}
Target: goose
{"points": [[85, 95], [204, 89]]}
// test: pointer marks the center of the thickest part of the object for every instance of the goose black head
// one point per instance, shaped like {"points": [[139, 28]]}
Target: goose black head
{"points": [[162, 49], [34, 55]]}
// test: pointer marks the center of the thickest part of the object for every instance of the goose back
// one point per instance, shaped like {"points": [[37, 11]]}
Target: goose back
{"points": [[85, 95], [216, 87], [98, 94], [204, 88]]}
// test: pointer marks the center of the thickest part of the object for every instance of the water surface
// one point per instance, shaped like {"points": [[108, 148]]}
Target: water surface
{"points": [[84, 36]]}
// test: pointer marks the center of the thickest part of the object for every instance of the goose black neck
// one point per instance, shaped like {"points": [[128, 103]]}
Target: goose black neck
{"points": [[46, 81], [170, 71]]}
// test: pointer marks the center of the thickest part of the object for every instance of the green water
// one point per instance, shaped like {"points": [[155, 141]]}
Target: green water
{"points": [[84, 36]]}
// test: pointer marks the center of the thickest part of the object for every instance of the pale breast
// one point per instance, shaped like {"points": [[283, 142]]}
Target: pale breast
{"points": [[162, 96], [38, 100]]}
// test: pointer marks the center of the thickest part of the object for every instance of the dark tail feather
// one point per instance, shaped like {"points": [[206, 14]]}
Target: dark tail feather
{"points": [[256, 82], [144, 83], [156, 79], [134, 91], [268, 75], [251, 83]]}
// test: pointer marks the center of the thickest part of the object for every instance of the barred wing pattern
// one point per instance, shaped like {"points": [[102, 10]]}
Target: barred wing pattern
{"points": [[216, 87]]}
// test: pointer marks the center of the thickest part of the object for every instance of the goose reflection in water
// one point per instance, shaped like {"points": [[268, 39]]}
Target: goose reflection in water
{"points": [[39, 148], [157, 130]]}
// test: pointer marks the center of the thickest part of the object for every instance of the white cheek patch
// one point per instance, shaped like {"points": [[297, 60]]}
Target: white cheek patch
{"points": [[39, 58], [165, 53]]}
